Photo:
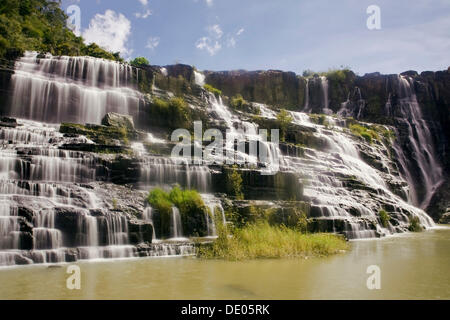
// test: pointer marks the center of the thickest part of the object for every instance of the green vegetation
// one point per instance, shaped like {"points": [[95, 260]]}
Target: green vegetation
{"points": [[139, 62], [234, 183], [384, 217], [99, 134], [174, 112], [238, 102], [262, 241], [333, 74], [284, 119], [319, 119], [191, 206], [213, 90], [40, 25], [114, 203], [367, 134], [414, 225]]}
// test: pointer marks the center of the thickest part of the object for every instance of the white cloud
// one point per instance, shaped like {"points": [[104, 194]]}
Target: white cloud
{"points": [[215, 40], [211, 43], [152, 43], [143, 15], [144, 2], [231, 42], [110, 31], [206, 43], [209, 3], [215, 31]]}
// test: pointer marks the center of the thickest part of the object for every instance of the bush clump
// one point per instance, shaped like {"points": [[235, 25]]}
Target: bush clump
{"points": [[173, 113], [284, 119], [367, 134], [213, 90], [234, 183], [414, 225], [384, 217], [192, 209], [238, 102], [263, 241]]}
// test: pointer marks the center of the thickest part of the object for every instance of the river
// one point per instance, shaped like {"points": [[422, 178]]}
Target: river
{"points": [[413, 266]]}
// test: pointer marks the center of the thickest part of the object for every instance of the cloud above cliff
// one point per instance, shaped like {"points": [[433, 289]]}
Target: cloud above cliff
{"points": [[111, 31], [215, 40]]}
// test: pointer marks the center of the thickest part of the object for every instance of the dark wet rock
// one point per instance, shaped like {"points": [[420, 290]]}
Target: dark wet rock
{"points": [[8, 122], [273, 87], [258, 186], [21, 260], [445, 219], [139, 231]]}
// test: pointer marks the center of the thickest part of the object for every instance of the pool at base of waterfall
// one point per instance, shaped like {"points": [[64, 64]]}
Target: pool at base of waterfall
{"points": [[412, 266]]}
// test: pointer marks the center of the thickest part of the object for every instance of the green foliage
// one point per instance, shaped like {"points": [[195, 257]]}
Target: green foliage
{"points": [[174, 112], [414, 225], [367, 134], [262, 241], [213, 90], [336, 74], [189, 202], [319, 119], [234, 183], [384, 217], [103, 135], [40, 25], [284, 119], [302, 223], [237, 102], [114, 203], [139, 62], [160, 200]]}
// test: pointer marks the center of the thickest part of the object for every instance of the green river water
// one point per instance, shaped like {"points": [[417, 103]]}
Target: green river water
{"points": [[413, 266]]}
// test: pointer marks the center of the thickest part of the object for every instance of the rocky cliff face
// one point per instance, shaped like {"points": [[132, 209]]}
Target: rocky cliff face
{"points": [[82, 140], [373, 98]]}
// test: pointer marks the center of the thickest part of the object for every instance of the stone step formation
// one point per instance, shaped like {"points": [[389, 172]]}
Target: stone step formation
{"points": [[82, 144]]}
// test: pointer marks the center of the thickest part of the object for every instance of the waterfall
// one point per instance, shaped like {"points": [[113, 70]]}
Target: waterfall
{"points": [[239, 132], [72, 89], [214, 205], [176, 228], [326, 173], [159, 171], [421, 168], [306, 108], [40, 182], [199, 78], [148, 216]]}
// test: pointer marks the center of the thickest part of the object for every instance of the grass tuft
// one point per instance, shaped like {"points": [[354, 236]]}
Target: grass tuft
{"points": [[263, 241]]}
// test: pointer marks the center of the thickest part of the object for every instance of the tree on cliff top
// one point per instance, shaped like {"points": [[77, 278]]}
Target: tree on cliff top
{"points": [[40, 25], [139, 62]]}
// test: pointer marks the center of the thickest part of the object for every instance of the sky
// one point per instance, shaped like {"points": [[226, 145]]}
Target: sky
{"points": [[289, 35]]}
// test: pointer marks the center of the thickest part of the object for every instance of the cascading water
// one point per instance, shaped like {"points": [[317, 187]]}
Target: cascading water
{"points": [[72, 89], [239, 132], [176, 227], [215, 208], [306, 107], [326, 173], [49, 212], [324, 87], [422, 169]]}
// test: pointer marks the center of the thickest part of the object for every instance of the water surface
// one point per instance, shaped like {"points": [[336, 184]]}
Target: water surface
{"points": [[413, 266]]}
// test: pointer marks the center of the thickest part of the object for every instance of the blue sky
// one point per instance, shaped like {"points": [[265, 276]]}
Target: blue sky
{"points": [[291, 35]]}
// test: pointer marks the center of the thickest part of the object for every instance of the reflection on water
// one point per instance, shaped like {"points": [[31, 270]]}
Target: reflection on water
{"points": [[413, 266]]}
